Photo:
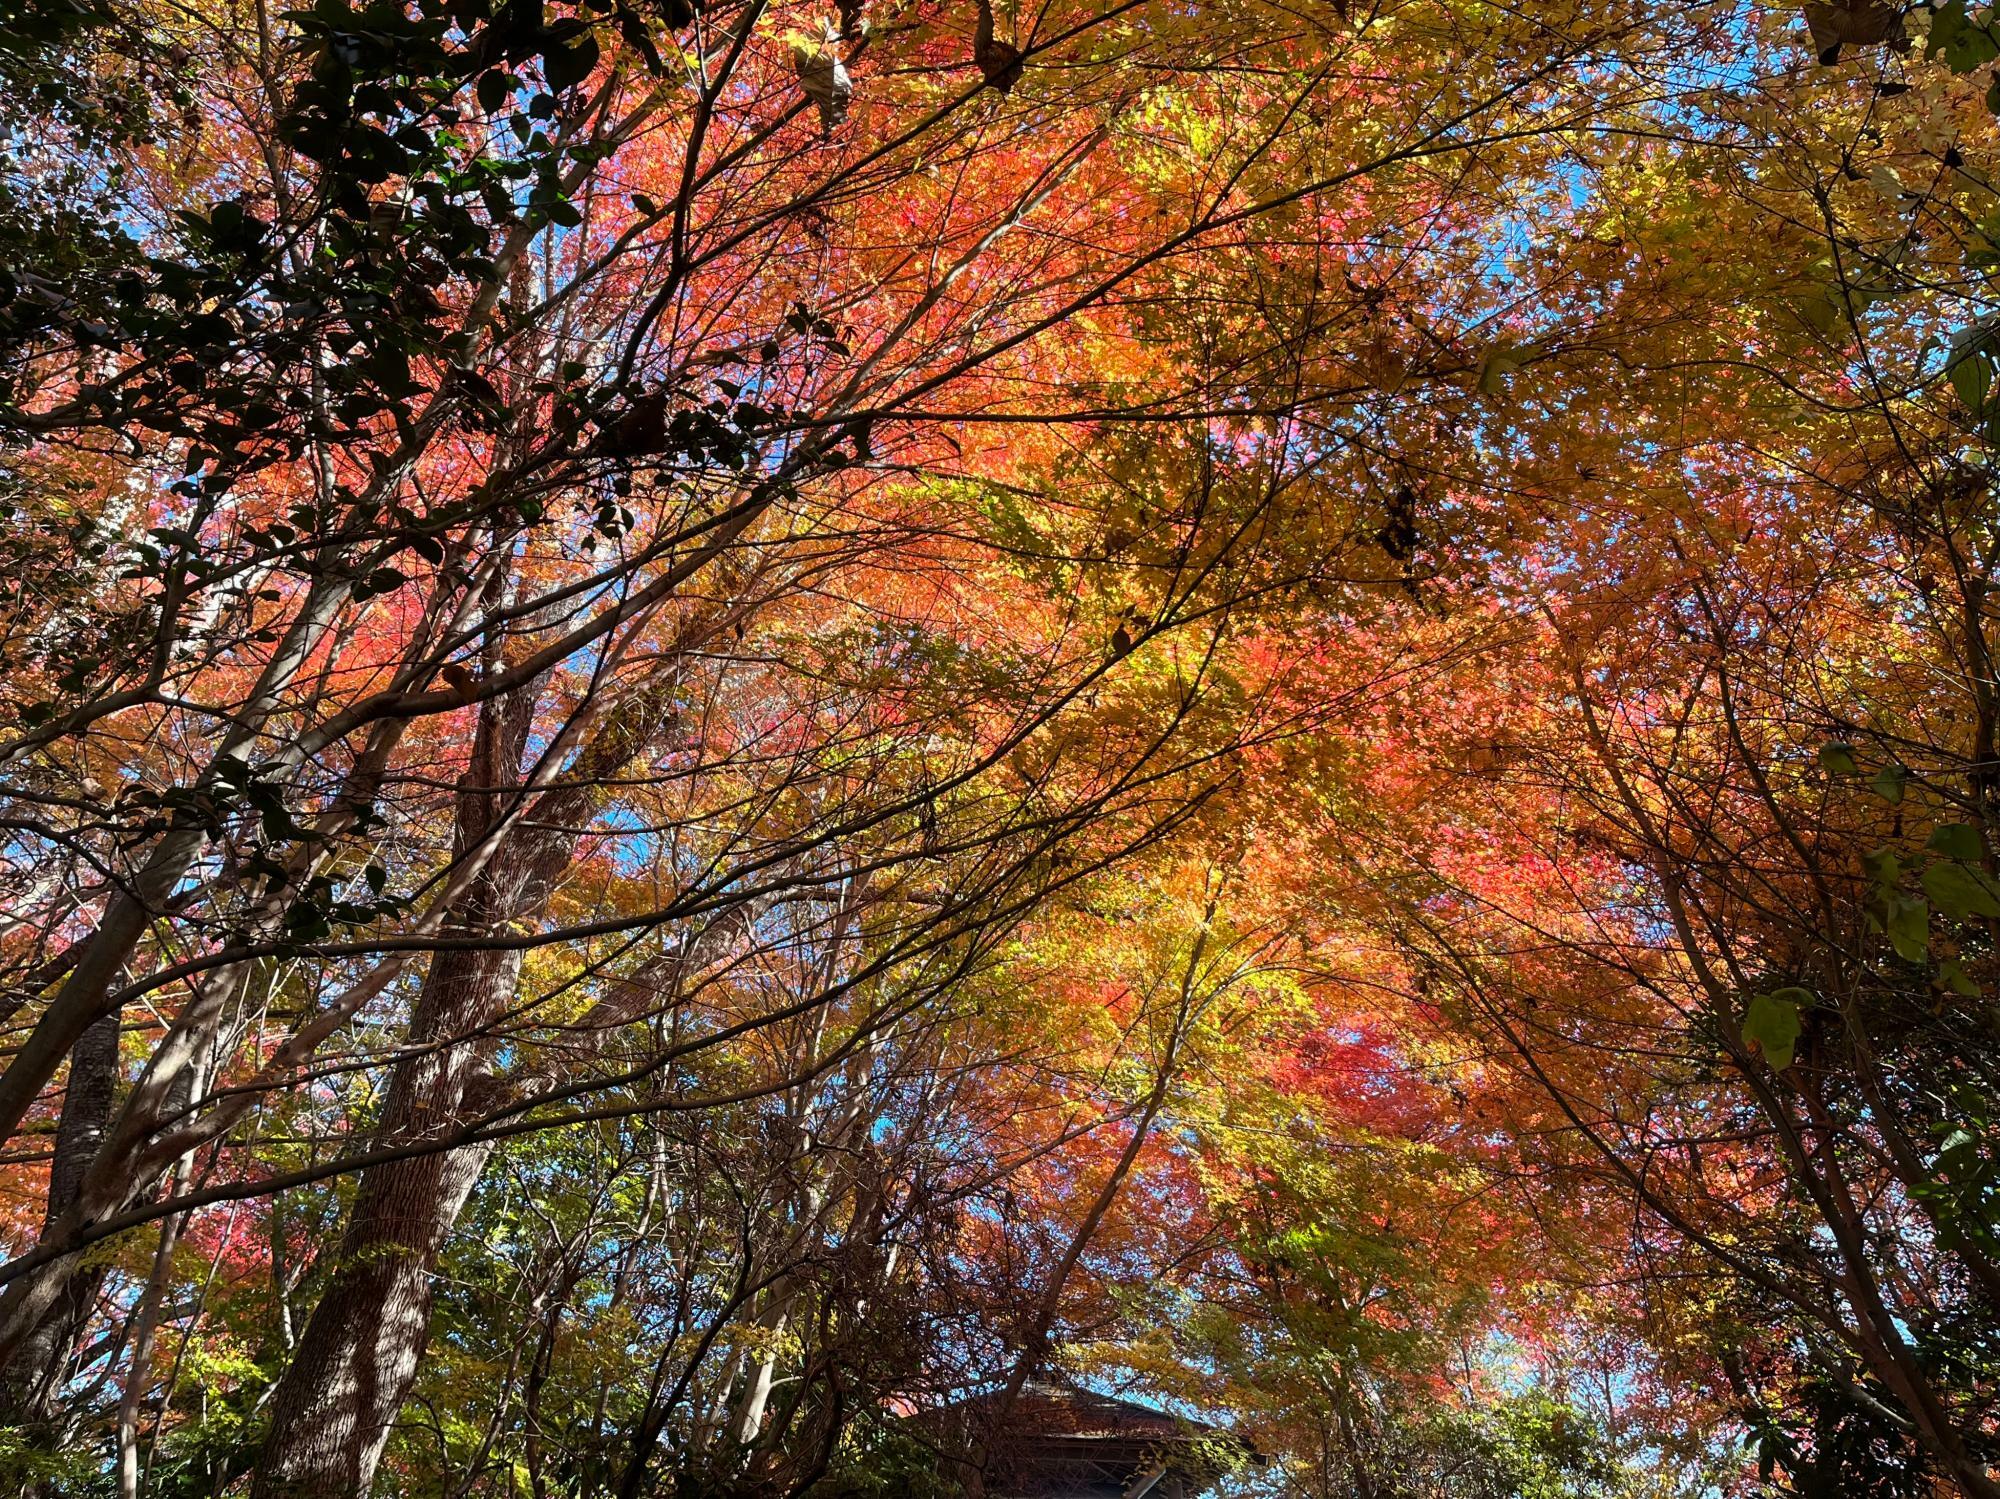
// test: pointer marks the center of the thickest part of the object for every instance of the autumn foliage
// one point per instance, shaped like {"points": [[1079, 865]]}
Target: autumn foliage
{"points": [[727, 728]]}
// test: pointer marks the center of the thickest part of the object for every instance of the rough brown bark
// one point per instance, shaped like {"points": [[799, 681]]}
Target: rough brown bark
{"points": [[354, 1364], [32, 1383], [333, 1410]]}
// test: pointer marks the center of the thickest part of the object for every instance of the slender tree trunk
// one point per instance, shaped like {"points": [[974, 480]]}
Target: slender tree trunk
{"points": [[361, 1348], [32, 1382], [146, 1325], [81, 1001], [147, 1317], [355, 1361]]}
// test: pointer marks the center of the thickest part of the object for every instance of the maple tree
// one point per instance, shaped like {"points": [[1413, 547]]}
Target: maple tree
{"points": [[724, 721]]}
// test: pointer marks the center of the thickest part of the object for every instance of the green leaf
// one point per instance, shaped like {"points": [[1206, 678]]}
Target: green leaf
{"points": [[1960, 892], [565, 67], [424, 545], [1972, 377], [1909, 928], [1822, 310], [1958, 1152], [1888, 783], [1494, 371], [1952, 974], [1836, 758], [382, 580], [1957, 840], [1954, 36], [1772, 1023], [1883, 867]]}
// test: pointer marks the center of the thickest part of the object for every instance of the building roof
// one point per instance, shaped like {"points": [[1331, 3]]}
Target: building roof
{"points": [[1061, 1441], [1046, 1408]]}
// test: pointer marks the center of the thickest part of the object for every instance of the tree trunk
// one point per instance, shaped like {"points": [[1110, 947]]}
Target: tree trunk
{"points": [[361, 1348], [354, 1364], [359, 1354], [80, 1002], [333, 1410], [32, 1383]]}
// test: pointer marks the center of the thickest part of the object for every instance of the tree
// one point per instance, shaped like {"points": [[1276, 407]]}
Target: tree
{"points": [[691, 704], [1751, 977]]}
